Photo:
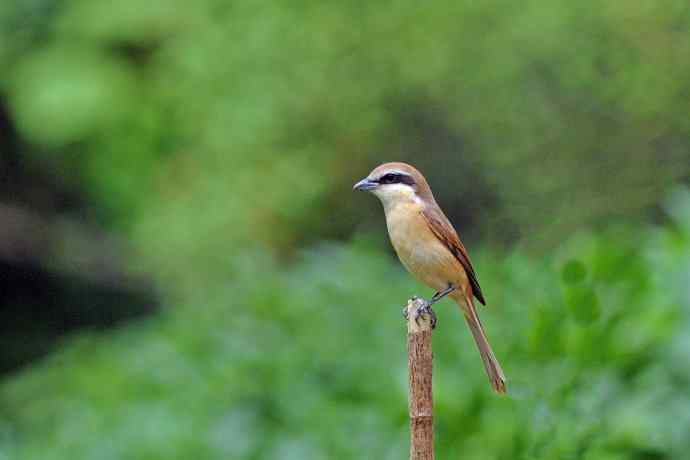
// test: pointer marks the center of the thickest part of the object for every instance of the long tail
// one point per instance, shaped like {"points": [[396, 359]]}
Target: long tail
{"points": [[491, 365]]}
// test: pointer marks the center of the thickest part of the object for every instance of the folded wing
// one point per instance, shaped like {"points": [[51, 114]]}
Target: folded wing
{"points": [[444, 231]]}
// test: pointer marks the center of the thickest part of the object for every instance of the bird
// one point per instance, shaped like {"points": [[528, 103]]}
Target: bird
{"points": [[430, 249]]}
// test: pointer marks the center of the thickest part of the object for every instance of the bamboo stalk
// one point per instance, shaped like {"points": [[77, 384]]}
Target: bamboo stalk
{"points": [[419, 364]]}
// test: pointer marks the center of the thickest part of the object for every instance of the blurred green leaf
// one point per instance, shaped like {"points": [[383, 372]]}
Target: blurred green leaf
{"points": [[63, 94], [583, 303], [574, 272]]}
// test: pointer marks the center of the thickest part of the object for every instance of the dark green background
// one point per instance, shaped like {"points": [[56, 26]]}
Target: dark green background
{"points": [[186, 274]]}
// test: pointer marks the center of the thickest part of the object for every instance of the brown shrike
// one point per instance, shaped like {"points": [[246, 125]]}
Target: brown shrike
{"points": [[430, 249]]}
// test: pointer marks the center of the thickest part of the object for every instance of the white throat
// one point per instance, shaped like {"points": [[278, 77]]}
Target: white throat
{"points": [[392, 195]]}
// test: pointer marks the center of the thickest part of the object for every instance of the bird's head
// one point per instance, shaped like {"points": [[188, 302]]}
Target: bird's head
{"points": [[395, 183]]}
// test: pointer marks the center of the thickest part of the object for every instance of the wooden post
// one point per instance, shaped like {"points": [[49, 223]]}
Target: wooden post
{"points": [[419, 364]]}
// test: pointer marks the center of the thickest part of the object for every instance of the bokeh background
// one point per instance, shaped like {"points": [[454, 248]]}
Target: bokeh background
{"points": [[186, 274]]}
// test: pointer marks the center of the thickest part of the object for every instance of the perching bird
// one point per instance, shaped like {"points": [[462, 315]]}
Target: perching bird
{"points": [[430, 249]]}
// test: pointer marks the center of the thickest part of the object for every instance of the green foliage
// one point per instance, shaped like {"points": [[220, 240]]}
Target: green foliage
{"points": [[574, 272], [310, 363], [552, 113], [579, 296]]}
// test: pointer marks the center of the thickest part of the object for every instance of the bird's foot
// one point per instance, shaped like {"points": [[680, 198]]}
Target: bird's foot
{"points": [[425, 309]]}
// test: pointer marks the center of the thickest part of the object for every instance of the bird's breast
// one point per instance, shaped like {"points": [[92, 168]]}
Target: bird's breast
{"points": [[419, 250]]}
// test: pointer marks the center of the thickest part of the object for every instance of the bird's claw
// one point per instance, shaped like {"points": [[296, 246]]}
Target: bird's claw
{"points": [[425, 309]]}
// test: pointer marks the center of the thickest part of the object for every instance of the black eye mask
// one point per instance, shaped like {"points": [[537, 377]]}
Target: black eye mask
{"points": [[396, 178]]}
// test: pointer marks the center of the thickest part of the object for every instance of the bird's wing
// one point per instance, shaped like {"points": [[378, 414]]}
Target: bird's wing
{"points": [[444, 231]]}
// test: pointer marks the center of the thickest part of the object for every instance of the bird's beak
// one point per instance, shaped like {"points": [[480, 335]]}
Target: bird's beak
{"points": [[365, 184]]}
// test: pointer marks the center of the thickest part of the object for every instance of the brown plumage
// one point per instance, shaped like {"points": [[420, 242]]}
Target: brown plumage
{"points": [[444, 231], [429, 247]]}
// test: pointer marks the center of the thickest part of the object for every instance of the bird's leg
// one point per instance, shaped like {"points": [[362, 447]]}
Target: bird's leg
{"points": [[441, 294]]}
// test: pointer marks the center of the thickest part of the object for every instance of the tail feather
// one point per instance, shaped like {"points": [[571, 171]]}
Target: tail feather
{"points": [[491, 365]]}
